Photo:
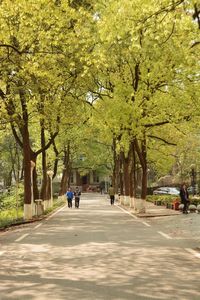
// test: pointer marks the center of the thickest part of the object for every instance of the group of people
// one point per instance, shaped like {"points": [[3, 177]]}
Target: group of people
{"points": [[73, 195], [76, 195], [70, 195]]}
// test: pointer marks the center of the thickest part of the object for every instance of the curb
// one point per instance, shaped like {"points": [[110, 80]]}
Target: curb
{"points": [[149, 215], [156, 215], [7, 227]]}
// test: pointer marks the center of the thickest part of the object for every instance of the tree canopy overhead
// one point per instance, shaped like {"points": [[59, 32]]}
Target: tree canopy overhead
{"points": [[127, 71]]}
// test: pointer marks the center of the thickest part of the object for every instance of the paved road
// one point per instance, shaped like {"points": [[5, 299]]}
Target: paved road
{"points": [[97, 252]]}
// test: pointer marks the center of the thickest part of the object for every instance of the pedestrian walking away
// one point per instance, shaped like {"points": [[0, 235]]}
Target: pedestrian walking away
{"points": [[184, 198], [111, 193], [69, 196], [77, 194]]}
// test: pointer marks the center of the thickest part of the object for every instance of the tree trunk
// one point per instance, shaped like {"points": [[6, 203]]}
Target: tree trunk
{"points": [[126, 175], [26, 150], [27, 173], [144, 170], [64, 182], [66, 171], [144, 183], [44, 187], [133, 184], [141, 152], [55, 168], [115, 177], [121, 175], [35, 187]]}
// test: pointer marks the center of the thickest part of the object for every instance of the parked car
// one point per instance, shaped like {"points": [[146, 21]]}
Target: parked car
{"points": [[167, 191]]}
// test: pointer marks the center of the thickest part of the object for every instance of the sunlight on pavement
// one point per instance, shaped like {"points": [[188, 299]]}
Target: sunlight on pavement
{"points": [[99, 253], [100, 264]]}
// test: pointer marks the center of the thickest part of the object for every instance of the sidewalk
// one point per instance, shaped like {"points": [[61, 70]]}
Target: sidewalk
{"points": [[153, 210]]}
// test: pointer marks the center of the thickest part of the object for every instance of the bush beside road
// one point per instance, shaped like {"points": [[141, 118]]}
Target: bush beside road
{"points": [[11, 211]]}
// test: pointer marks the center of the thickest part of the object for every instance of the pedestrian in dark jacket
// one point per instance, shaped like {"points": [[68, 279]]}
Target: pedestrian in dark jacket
{"points": [[184, 198], [111, 193], [77, 194], [69, 196]]}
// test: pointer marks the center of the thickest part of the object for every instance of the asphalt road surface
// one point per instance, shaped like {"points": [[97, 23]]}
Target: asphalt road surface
{"points": [[99, 252]]}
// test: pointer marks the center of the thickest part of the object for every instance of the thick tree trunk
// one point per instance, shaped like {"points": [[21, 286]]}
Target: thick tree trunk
{"points": [[144, 183], [55, 168], [28, 189], [115, 177], [133, 185], [66, 172], [28, 194], [27, 172], [44, 187], [126, 175], [64, 182], [141, 152], [26, 150], [121, 182], [144, 170], [117, 172], [35, 187]]}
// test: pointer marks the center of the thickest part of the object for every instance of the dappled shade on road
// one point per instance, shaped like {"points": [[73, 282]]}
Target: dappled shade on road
{"points": [[97, 252]]}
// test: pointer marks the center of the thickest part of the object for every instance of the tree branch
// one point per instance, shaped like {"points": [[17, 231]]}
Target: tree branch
{"points": [[161, 139], [171, 33], [16, 136], [12, 47], [156, 124], [168, 8], [195, 44], [50, 142]]}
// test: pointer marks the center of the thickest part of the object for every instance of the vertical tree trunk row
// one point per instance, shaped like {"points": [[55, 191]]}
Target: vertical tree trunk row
{"points": [[131, 170], [66, 171]]}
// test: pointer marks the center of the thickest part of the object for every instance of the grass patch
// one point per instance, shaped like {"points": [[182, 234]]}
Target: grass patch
{"points": [[11, 207], [10, 216]]}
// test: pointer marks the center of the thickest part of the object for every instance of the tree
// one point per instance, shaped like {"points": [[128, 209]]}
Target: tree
{"points": [[149, 79], [33, 49]]}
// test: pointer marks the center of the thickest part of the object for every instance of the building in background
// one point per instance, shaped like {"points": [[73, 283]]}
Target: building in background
{"points": [[92, 181]]}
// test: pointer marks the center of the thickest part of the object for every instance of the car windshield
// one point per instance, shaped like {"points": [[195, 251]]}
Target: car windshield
{"points": [[167, 190], [162, 189], [174, 189]]}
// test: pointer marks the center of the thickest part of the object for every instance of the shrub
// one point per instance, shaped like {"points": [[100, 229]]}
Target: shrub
{"points": [[11, 216], [163, 199], [194, 201]]}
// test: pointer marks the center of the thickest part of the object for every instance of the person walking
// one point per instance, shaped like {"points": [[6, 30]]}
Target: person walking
{"points": [[111, 193], [77, 194], [184, 198], [69, 196]]}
